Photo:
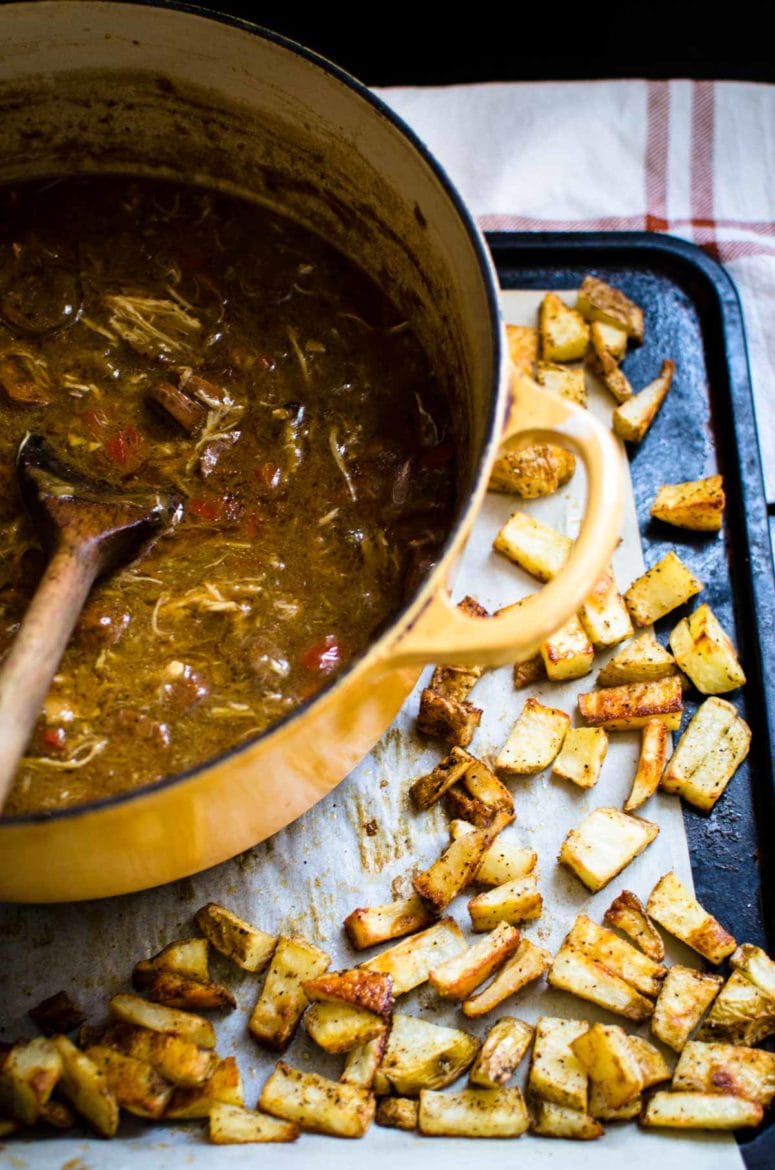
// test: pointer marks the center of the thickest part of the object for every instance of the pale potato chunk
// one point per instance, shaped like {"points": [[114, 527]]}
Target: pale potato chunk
{"points": [[632, 418], [556, 1073], [564, 332], [535, 547], [337, 1027], [398, 1112], [86, 1088], [627, 914], [535, 739], [700, 1111], [697, 505], [604, 1051], [246, 945], [727, 1068], [232, 1125], [426, 790], [532, 472], [411, 961], [282, 1001], [706, 653], [641, 660], [28, 1076], [452, 871], [653, 1066], [617, 955], [654, 745], [604, 843], [604, 615], [581, 757], [474, 1113], [757, 966], [586, 977], [680, 914], [684, 998], [601, 362], [188, 956], [741, 1013], [568, 653], [364, 1060], [633, 705], [613, 337], [504, 861], [567, 381], [662, 588], [527, 964], [708, 754], [224, 1087], [316, 1104], [420, 1055], [459, 976], [523, 347], [158, 1018], [137, 1086], [603, 1112], [501, 1053], [370, 925], [598, 301], [513, 902], [558, 1121]]}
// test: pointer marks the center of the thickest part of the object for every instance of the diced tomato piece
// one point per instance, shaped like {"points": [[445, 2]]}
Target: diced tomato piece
{"points": [[215, 509], [268, 476], [439, 456], [55, 737], [252, 524], [96, 421], [324, 655], [125, 447]]}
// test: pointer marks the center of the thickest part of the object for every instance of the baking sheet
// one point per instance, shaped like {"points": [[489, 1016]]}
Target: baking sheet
{"points": [[307, 878]]}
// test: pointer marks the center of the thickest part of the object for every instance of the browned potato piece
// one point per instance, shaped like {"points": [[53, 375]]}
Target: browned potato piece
{"points": [[29, 1072], [655, 740], [420, 1055], [581, 756], [604, 615], [338, 1027], [514, 902], [231, 1125], [532, 472], [727, 1068], [605, 842], [535, 547], [460, 975], [316, 1104], [567, 381], [582, 975], [502, 1052], [632, 418], [370, 990], [641, 660], [186, 956], [601, 362], [444, 717], [662, 588], [178, 991], [684, 998], [523, 347], [282, 1001], [475, 1113], [706, 653], [86, 1088], [628, 914], [57, 1014], [568, 654], [598, 301], [398, 1112], [452, 871], [224, 1087], [700, 1111], [411, 961], [529, 672], [741, 1013], [131, 1009], [246, 945], [673, 907], [697, 505], [619, 956], [708, 754], [368, 926], [556, 1073], [429, 788], [633, 705], [137, 1086], [558, 1121], [177, 1060], [564, 332], [535, 739], [527, 964]]}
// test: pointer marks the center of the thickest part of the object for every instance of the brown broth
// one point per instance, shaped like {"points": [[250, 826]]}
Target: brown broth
{"points": [[317, 470]]}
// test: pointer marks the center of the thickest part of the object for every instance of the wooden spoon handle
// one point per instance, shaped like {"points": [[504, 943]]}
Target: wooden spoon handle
{"points": [[37, 650]]}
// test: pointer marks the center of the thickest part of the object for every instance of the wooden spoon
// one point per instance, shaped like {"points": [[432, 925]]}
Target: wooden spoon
{"points": [[89, 529]]}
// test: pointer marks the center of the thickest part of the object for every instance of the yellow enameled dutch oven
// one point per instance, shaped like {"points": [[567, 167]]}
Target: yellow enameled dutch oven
{"points": [[87, 86]]}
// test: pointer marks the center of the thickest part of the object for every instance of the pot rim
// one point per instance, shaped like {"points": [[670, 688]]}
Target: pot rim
{"points": [[411, 608]]}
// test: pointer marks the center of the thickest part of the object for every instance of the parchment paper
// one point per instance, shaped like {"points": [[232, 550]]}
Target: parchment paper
{"points": [[307, 878]]}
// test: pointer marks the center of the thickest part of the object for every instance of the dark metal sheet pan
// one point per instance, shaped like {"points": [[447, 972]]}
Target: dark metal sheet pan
{"points": [[706, 425]]}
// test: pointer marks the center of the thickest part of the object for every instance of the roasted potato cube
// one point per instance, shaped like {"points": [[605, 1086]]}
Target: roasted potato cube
{"points": [[697, 505], [231, 1125], [427, 789], [708, 754], [57, 1014], [757, 966], [282, 1001], [633, 705], [581, 757], [628, 914], [653, 1066], [558, 1121], [654, 744], [680, 914], [137, 1086], [641, 660], [529, 672], [364, 1060], [601, 362], [535, 547], [613, 337], [186, 956], [568, 653], [28, 1075], [613, 1069], [532, 472], [57, 1114], [567, 381], [605, 842], [453, 871], [684, 998], [617, 955], [398, 1112], [338, 1027], [420, 1055], [456, 682], [527, 964], [444, 717], [632, 418], [178, 991], [370, 990], [459, 976], [246, 945], [598, 301], [523, 347], [700, 1111], [579, 973], [741, 1013], [86, 1088], [131, 1009], [513, 902], [662, 588], [564, 332], [411, 961], [370, 925], [726, 1068], [556, 1073], [502, 1052], [706, 653], [178, 1060], [481, 799], [535, 739], [604, 615], [475, 1113], [224, 1087], [316, 1104], [504, 860]]}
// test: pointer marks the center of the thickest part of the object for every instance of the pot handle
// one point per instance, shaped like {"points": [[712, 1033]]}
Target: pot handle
{"points": [[443, 633]]}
